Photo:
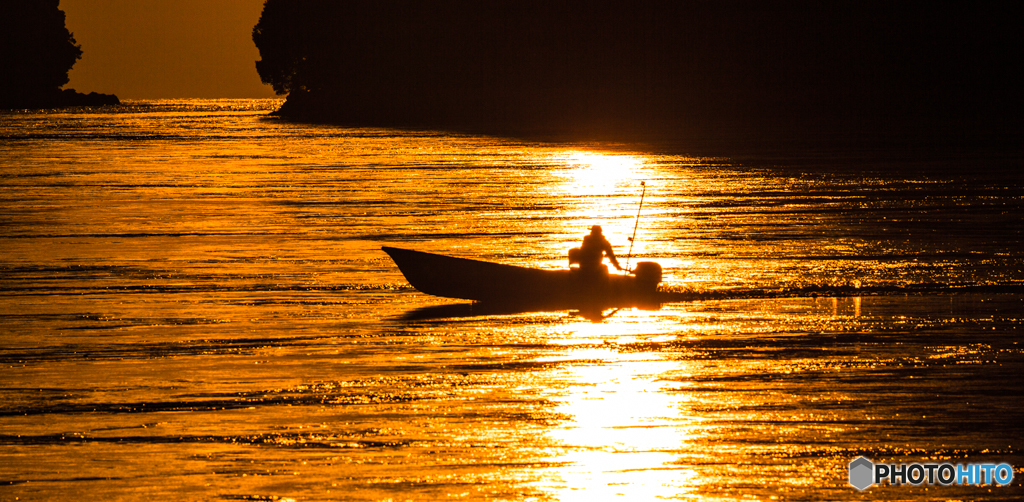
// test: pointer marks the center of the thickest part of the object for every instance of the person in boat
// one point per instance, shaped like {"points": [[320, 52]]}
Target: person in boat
{"points": [[592, 252]]}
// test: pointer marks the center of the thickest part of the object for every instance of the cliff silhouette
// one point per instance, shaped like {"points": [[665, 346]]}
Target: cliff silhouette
{"points": [[36, 54], [703, 71]]}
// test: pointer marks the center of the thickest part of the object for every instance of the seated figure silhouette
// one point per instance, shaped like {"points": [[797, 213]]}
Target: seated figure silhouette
{"points": [[592, 252]]}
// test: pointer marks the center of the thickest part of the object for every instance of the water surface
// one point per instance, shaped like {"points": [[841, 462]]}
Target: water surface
{"points": [[194, 306]]}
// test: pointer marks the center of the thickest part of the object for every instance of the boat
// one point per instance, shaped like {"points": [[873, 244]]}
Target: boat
{"points": [[497, 283]]}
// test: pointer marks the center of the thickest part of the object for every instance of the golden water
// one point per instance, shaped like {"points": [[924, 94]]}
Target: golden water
{"points": [[195, 306]]}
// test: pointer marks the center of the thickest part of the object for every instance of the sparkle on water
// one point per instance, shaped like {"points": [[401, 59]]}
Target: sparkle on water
{"points": [[196, 307]]}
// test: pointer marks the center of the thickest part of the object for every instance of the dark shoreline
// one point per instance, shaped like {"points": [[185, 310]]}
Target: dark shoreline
{"points": [[938, 144], [65, 98]]}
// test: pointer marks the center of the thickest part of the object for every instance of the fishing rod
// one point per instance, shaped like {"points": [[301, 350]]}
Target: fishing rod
{"points": [[643, 185]]}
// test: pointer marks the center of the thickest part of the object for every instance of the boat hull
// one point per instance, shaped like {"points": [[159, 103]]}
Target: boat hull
{"points": [[490, 282]]}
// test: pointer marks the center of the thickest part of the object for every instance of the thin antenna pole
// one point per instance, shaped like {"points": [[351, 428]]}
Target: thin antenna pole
{"points": [[643, 185]]}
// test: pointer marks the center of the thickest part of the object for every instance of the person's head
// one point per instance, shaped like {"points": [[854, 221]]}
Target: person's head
{"points": [[595, 230]]}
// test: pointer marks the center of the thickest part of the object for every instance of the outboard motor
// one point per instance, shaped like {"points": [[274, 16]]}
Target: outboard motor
{"points": [[648, 275]]}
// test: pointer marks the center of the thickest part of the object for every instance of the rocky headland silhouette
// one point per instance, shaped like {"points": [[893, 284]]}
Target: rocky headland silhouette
{"points": [[738, 71]]}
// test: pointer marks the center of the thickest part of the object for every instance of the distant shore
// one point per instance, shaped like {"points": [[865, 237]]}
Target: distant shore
{"points": [[58, 99], [731, 140]]}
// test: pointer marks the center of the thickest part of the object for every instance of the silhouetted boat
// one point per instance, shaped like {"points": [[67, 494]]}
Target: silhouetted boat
{"points": [[497, 283]]}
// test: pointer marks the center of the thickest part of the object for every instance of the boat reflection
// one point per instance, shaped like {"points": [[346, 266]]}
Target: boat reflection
{"points": [[594, 312]]}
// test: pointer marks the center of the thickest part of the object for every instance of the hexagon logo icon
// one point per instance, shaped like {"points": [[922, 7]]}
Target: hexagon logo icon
{"points": [[861, 470]]}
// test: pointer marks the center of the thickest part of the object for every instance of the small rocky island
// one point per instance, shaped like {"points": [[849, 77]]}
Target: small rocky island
{"points": [[36, 53]]}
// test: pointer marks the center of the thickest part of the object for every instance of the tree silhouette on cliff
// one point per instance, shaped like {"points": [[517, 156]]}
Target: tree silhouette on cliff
{"points": [[731, 69], [36, 54]]}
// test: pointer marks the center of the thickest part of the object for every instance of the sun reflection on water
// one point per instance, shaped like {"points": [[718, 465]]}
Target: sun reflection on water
{"points": [[628, 431], [593, 173]]}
